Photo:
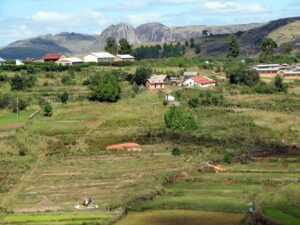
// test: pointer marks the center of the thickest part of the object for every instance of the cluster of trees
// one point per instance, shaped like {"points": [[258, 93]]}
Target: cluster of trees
{"points": [[123, 47], [207, 98], [22, 82], [158, 51], [13, 103], [193, 45]]}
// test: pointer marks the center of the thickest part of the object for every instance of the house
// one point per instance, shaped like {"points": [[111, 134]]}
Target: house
{"points": [[121, 58], [99, 57], [2, 61], [156, 82], [268, 69], [19, 62], [199, 81], [190, 74], [69, 61], [53, 57], [174, 81], [169, 98]]}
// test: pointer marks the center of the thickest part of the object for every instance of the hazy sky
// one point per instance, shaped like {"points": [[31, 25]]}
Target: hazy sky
{"points": [[21, 19]]}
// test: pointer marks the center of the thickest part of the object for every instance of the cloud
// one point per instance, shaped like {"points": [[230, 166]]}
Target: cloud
{"points": [[230, 7]]}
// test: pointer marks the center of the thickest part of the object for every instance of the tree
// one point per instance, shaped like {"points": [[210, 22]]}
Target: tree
{"points": [[287, 48], [234, 49], [22, 82], [205, 33], [111, 46], [186, 43], [177, 119], [239, 73], [48, 110], [64, 97], [197, 49], [142, 74], [279, 85], [192, 43], [105, 87], [267, 47], [125, 47], [176, 151]]}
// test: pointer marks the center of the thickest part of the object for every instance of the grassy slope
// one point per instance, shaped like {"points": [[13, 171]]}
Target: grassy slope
{"points": [[288, 33]]}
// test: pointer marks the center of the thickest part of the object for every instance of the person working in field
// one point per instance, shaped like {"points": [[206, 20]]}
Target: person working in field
{"points": [[86, 202]]}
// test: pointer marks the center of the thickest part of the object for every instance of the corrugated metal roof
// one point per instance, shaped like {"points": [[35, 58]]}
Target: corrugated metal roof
{"points": [[203, 80], [103, 55], [126, 56], [71, 60], [52, 56], [157, 79], [191, 73]]}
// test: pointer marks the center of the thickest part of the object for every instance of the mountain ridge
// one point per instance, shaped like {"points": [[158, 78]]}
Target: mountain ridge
{"points": [[76, 43]]}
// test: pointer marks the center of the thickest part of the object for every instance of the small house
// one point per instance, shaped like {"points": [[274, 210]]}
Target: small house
{"points": [[156, 82], [53, 57], [188, 74], [199, 81], [290, 73], [268, 69], [2, 61], [122, 58], [69, 61], [99, 57], [19, 62]]}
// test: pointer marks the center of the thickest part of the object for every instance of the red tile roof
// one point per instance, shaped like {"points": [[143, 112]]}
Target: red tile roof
{"points": [[203, 80], [52, 56]]}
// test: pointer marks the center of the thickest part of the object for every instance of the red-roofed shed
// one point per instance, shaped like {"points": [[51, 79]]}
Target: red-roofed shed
{"points": [[52, 57]]}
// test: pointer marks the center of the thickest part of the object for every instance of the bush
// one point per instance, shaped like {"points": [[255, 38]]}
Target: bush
{"points": [[22, 151], [209, 98], [193, 102], [227, 157], [263, 88], [105, 87], [176, 151], [165, 102], [18, 104], [177, 119], [279, 85], [67, 80], [48, 110], [64, 97], [22, 82]]}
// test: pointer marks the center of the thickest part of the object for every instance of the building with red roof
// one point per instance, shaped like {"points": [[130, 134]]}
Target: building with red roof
{"points": [[53, 57], [199, 81]]}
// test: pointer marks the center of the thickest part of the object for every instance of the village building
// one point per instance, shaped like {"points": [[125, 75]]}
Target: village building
{"points": [[290, 73], [53, 57], [188, 74], [268, 69], [19, 62], [99, 57], [174, 81], [122, 58], [199, 81], [156, 82], [69, 61], [2, 61]]}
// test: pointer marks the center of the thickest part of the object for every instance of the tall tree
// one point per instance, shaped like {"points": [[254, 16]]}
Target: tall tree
{"points": [[111, 46], [234, 48], [287, 48], [125, 47], [267, 47], [192, 43]]}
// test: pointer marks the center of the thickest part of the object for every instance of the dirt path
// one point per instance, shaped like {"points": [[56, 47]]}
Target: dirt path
{"points": [[25, 179]]}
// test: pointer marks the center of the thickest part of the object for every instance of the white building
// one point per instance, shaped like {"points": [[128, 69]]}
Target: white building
{"points": [[2, 61], [190, 74], [19, 62], [99, 57], [199, 82], [69, 61], [169, 98]]}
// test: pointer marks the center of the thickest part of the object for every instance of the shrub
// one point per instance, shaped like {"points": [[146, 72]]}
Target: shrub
{"points": [[177, 119], [22, 151], [64, 97], [227, 157], [135, 88], [48, 110], [193, 102], [279, 85], [18, 104], [105, 87], [165, 102], [263, 88], [209, 98], [67, 80], [22, 82], [176, 151]]}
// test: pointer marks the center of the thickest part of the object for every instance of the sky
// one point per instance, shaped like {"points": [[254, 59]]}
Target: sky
{"points": [[20, 19]]}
